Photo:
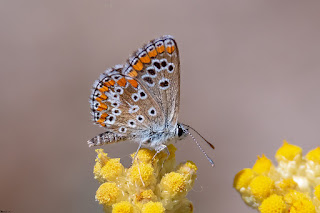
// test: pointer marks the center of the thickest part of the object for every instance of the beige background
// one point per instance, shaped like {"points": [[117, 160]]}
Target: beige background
{"points": [[250, 78]]}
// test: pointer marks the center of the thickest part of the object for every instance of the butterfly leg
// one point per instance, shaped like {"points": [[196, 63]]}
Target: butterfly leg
{"points": [[105, 138], [159, 149], [135, 155]]}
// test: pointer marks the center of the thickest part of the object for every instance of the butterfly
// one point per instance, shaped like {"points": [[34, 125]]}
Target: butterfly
{"points": [[139, 101]]}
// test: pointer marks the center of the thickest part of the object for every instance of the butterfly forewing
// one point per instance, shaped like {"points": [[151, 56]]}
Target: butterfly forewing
{"points": [[157, 67]]}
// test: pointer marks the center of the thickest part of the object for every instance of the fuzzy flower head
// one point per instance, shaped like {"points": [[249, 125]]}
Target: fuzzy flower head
{"points": [[152, 184], [291, 187]]}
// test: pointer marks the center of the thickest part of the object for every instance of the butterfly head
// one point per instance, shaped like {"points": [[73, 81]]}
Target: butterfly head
{"points": [[181, 131]]}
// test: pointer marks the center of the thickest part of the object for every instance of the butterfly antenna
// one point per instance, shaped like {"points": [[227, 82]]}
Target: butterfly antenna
{"points": [[210, 144], [205, 154]]}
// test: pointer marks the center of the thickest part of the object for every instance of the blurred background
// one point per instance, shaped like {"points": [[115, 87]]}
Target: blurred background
{"points": [[250, 78]]}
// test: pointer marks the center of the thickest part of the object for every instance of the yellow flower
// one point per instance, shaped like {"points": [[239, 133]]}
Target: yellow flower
{"points": [[122, 207], [314, 155], [144, 155], [262, 165], [283, 188], [317, 192], [153, 207], [108, 193], [112, 169], [288, 152], [151, 184], [261, 187], [302, 206], [243, 178], [294, 196], [146, 196], [273, 204], [173, 184], [286, 184], [142, 174]]}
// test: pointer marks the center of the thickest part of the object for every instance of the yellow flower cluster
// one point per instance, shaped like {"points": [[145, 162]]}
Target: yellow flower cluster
{"points": [[153, 184], [293, 186]]}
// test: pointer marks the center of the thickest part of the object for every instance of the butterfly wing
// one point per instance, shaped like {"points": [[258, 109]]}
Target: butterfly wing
{"points": [[118, 103], [140, 98], [157, 67]]}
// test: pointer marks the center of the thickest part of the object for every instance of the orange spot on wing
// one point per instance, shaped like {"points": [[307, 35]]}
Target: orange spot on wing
{"points": [[101, 120], [133, 82], [153, 53], [145, 59], [138, 66], [104, 115], [133, 73], [103, 89], [100, 99], [122, 82], [111, 82], [160, 49], [102, 106], [170, 49], [101, 123]]}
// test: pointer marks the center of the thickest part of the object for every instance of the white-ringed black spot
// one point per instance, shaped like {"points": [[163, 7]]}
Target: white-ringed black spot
{"points": [[105, 80], [164, 84], [97, 93], [134, 109], [163, 63], [122, 129], [148, 80], [152, 111], [151, 72], [135, 97], [170, 68], [116, 111], [140, 118], [142, 94], [111, 119], [118, 90], [116, 77], [131, 123], [115, 104], [156, 64], [96, 105]]}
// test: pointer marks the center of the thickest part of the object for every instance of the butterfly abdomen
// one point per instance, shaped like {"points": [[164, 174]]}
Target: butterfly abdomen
{"points": [[105, 138]]}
